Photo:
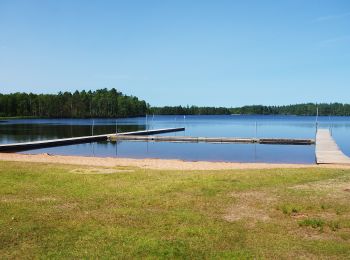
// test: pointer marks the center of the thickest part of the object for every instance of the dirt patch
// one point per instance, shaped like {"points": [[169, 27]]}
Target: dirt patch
{"points": [[299, 215], [333, 188], [341, 183], [310, 233], [46, 199], [67, 206], [12, 199], [252, 205], [9, 199], [98, 171]]}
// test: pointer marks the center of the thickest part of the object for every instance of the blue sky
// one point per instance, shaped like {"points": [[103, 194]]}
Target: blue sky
{"points": [[220, 53]]}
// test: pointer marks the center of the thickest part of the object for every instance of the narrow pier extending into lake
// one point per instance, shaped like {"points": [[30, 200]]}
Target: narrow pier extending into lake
{"points": [[327, 150], [191, 139], [78, 140]]}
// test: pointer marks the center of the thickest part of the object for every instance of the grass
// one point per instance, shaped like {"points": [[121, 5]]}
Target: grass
{"points": [[313, 222], [57, 211]]}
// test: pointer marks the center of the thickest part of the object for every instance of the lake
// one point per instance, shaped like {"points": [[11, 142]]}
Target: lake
{"points": [[22, 130]]}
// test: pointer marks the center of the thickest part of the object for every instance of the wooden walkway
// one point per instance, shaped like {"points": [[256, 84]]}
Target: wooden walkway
{"points": [[192, 139], [327, 151], [78, 140]]}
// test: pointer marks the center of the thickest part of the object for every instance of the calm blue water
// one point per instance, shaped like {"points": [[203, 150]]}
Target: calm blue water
{"points": [[215, 126]]}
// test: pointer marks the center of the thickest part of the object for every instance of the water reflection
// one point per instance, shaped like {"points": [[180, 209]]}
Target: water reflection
{"points": [[10, 133]]}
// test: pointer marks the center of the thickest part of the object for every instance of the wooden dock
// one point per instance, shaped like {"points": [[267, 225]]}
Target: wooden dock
{"points": [[327, 151], [191, 139], [78, 140]]}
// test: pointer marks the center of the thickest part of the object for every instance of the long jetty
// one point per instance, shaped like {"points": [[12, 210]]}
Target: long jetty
{"points": [[191, 139], [78, 140], [327, 150]]}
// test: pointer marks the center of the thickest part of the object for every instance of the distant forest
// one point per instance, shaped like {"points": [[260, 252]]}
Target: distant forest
{"points": [[106, 103], [310, 109], [83, 104]]}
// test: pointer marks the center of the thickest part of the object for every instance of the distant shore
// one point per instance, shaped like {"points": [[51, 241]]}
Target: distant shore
{"points": [[159, 164]]}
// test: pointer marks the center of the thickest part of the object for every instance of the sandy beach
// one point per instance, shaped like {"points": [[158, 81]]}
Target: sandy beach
{"points": [[161, 164]]}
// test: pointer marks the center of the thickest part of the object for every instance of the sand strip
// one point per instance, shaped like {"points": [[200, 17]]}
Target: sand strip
{"points": [[151, 163]]}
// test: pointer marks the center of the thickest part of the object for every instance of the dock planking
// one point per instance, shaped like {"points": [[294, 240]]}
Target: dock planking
{"points": [[327, 150], [78, 140]]}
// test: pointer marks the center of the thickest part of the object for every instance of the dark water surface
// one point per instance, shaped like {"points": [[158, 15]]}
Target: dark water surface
{"points": [[22, 130]]}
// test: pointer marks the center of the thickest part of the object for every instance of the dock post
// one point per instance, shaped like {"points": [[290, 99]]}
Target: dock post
{"points": [[116, 126], [316, 125], [330, 125], [331, 129], [93, 125], [184, 123]]}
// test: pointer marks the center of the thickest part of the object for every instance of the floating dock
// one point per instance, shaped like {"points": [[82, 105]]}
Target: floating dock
{"points": [[190, 139], [78, 140], [327, 150]]}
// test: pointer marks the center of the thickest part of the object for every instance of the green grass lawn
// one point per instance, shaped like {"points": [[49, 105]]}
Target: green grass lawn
{"points": [[57, 211]]}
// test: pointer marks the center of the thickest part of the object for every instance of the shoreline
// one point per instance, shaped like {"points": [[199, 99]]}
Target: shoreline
{"points": [[157, 164]]}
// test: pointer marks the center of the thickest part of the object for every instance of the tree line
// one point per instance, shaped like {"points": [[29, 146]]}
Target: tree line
{"points": [[308, 109], [112, 103], [100, 103]]}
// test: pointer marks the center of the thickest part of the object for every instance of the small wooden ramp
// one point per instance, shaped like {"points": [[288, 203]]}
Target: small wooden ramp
{"points": [[327, 151]]}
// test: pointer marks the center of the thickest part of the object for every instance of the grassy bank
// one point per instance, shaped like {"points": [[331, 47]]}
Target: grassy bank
{"points": [[72, 212]]}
